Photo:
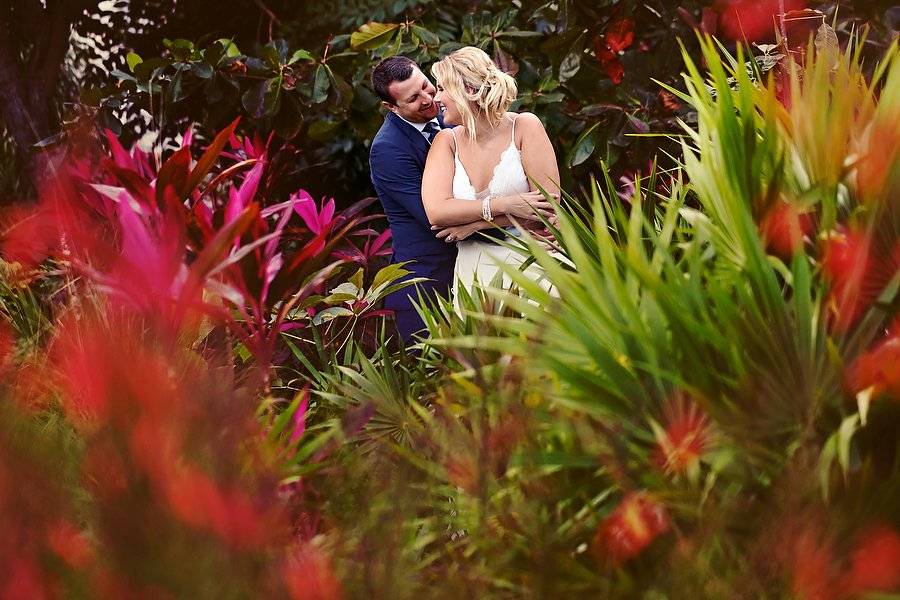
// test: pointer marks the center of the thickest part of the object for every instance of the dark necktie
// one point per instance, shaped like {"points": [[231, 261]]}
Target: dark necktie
{"points": [[431, 129]]}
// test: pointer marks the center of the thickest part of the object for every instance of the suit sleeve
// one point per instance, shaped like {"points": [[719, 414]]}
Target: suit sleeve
{"points": [[397, 178]]}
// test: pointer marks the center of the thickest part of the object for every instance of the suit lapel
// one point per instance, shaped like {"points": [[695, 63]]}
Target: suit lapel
{"points": [[415, 137]]}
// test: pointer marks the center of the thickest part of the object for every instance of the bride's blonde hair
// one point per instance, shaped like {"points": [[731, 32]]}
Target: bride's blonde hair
{"points": [[472, 80]]}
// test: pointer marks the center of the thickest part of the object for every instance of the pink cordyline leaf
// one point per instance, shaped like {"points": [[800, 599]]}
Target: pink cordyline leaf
{"points": [[317, 221], [154, 259], [305, 206], [188, 136], [300, 417], [120, 156], [250, 186], [379, 243]]}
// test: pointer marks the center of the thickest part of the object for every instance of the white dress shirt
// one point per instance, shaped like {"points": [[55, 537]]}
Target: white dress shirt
{"points": [[421, 127]]}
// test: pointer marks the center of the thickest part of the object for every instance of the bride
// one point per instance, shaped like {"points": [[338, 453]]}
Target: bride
{"points": [[479, 173]]}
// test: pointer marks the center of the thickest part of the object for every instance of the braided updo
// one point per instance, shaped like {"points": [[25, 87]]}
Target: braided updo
{"points": [[476, 85]]}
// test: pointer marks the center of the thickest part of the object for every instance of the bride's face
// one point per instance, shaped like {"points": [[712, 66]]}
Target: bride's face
{"points": [[451, 112]]}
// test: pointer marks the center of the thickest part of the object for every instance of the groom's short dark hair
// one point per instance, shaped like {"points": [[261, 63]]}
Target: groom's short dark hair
{"points": [[391, 69]]}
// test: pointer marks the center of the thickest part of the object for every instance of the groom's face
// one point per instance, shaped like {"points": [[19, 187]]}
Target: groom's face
{"points": [[413, 98]]}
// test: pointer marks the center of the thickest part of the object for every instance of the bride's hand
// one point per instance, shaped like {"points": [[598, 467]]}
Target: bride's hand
{"points": [[459, 232], [523, 206]]}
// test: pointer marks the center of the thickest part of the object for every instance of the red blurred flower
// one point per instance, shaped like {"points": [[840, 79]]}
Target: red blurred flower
{"points": [[878, 369], [631, 527], [876, 171], [198, 501], [308, 575], [7, 346], [70, 544], [784, 229], [752, 20], [857, 273], [24, 582], [685, 438], [462, 471], [875, 563], [811, 567]]}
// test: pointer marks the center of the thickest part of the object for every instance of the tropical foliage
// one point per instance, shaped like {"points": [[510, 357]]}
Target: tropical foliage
{"points": [[203, 397], [585, 68]]}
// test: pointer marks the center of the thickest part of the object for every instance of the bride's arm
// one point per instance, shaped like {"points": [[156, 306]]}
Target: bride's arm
{"points": [[443, 210], [538, 157]]}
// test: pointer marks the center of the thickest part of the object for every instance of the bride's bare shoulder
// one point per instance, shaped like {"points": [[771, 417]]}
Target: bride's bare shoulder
{"points": [[527, 119]]}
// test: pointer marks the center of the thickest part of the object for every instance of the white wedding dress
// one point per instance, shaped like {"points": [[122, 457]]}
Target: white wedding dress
{"points": [[478, 260]]}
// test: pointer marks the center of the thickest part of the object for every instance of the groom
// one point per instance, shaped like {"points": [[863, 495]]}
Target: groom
{"points": [[397, 161]]}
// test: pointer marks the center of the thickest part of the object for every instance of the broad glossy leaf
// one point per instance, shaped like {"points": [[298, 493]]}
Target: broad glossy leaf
{"points": [[584, 146], [275, 53], [300, 55], [373, 35], [569, 66], [263, 99], [429, 38], [133, 60], [323, 316], [519, 34], [202, 69], [231, 49], [320, 85]]}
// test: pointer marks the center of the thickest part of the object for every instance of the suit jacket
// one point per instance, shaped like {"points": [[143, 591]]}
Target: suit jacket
{"points": [[397, 162]]}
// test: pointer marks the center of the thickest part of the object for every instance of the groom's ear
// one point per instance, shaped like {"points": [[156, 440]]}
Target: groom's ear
{"points": [[389, 106]]}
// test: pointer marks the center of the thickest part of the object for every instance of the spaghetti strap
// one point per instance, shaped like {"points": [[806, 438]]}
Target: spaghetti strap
{"points": [[514, 129]]}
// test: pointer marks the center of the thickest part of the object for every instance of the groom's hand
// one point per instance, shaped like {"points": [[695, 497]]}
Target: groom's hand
{"points": [[524, 206], [459, 232]]}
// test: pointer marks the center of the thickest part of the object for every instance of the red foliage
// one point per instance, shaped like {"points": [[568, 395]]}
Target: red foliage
{"points": [[875, 563], [164, 429], [630, 528], [619, 36]]}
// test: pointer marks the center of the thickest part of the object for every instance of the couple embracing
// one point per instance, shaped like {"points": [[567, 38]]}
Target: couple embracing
{"points": [[451, 161]]}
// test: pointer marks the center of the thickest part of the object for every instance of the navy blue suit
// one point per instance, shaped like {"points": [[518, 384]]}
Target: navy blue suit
{"points": [[397, 162]]}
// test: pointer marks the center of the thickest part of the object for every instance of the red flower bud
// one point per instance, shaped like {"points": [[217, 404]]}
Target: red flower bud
{"points": [[631, 527]]}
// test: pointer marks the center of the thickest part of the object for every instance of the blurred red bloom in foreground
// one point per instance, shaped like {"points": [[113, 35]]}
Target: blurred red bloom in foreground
{"points": [[875, 563], [71, 545], [684, 439], [308, 575], [752, 20], [877, 170], [859, 267], [878, 369], [631, 527], [784, 229], [811, 565]]}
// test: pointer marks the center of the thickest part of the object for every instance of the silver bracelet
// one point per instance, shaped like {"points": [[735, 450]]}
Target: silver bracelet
{"points": [[486, 210]]}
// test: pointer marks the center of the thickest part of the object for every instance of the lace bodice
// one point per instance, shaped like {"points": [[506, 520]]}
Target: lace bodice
{"points": [[508, 177]]}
